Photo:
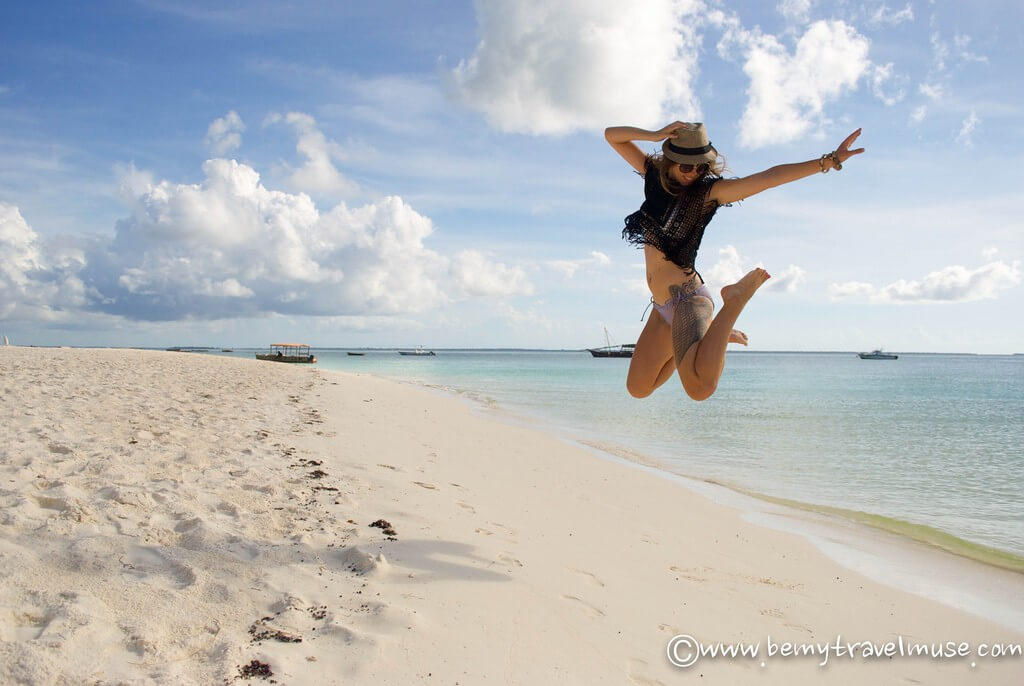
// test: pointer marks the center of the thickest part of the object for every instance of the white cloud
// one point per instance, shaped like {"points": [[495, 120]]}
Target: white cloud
{"points": [[931, 90], [568, 268], [786, 280], [554, 68], [231, 247], [20, 256], [850, 289], [788, 92], [918, 115], [962, 44], [966, 134], [133, 182], [475, 275], [880, 76], [20, 253], [318, 175], [225, 134], [636, 287], [730, 267], [34, 285], [885, 16], [947, 285], [940, 52], [530, 320], [795, 10], [228, 288], [956, 284]]}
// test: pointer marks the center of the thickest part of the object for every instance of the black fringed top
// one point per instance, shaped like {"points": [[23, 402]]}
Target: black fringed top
{"points": [[674, 224]]}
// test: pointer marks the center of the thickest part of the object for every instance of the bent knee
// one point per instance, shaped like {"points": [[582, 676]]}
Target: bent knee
{"points": [[638, 390], [700, 391]]}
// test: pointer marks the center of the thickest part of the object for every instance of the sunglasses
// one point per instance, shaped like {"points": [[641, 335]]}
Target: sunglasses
{"points": [[687, 168]]}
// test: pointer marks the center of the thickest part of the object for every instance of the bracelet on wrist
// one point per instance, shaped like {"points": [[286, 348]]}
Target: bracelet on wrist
{"points": [[836, 164]]}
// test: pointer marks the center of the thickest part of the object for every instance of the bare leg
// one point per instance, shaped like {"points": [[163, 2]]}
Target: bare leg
{"points": [[666, 372], [702, 365], [652, 363]]}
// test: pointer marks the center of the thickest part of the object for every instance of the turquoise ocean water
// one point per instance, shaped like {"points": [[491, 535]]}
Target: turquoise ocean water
{"points": [[934, 440]]}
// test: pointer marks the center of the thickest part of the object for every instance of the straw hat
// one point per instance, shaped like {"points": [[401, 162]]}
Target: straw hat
{"points": [[689, 145]]}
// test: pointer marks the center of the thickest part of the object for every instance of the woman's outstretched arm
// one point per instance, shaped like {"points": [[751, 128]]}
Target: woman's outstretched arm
{"points": [[621, 139], [726, 191]]}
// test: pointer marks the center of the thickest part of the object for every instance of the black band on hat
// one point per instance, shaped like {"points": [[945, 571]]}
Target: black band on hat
{"points": [[688, 151]]}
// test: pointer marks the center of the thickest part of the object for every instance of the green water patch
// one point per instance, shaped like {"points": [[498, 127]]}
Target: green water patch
{"points": [[917, 532]]}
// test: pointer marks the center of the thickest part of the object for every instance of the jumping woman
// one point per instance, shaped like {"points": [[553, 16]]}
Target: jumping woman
{"points": [[683, 188]]}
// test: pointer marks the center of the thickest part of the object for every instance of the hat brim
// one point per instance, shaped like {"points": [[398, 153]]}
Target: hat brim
{"points": [[704, 158]]}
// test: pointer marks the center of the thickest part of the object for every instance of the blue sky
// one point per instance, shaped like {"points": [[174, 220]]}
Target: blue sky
{"points": [[403, 173]]}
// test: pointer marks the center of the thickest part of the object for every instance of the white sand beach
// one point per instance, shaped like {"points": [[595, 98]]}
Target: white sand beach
{"points": [[177, 518]]}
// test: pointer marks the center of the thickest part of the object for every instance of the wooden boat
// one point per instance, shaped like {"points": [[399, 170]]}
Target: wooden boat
{"points": [[418, 352], [877, 355], [297, 353], [609, 350]]}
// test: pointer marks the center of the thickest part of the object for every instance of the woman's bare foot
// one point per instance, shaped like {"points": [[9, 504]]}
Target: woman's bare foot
{"points": [[737, 336], [745, 288]]}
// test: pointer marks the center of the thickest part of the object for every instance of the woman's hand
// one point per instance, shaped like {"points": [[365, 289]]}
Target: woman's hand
{"points": [[843, 152], [667, 131]]}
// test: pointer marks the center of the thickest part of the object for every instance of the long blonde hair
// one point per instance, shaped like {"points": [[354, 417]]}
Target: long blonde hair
{"points": [[715, 169]]}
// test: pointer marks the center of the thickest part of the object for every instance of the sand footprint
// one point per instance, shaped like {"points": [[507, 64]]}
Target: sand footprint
{"points": [[427, 486], [635, 666], [227, 508], [798, 627], [466, 506], [587, 608], [505, 529], [148, 564], [690, 573], [508, 559], [590, 577]]}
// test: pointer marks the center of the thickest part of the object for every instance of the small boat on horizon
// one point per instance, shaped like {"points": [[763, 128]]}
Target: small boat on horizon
{"points": [[296, 353], [356, 354], [418, 352], [609, 350], [227, 350], [877, 355]]}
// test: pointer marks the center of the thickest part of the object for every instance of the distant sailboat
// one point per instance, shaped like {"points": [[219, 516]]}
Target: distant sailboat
{"points": [[6, 342], [609, 350]]}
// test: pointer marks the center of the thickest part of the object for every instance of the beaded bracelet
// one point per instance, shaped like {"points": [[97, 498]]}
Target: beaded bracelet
{"points": [[836, 164]]}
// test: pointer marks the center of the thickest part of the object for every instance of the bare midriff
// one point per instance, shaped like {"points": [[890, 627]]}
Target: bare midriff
{"points": [[662, 273]]}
